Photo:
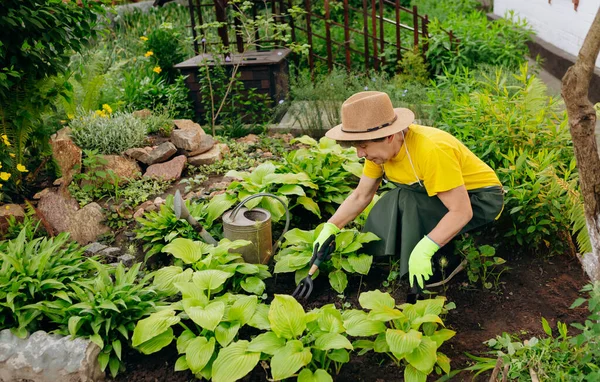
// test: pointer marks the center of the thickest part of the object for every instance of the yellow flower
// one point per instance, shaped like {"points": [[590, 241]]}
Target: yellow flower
{"points": [[144, 38], [5, 139], [12, 155], [106, 107], [21, 168], [5, 176], [149, 53], [157, 69], [70, 116]]}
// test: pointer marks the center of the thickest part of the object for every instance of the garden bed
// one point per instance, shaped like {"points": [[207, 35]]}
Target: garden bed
{"points": [[533, 288]]}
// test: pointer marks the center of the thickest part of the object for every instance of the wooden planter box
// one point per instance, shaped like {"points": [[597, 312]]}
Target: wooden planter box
{"points": [[266, 71]]}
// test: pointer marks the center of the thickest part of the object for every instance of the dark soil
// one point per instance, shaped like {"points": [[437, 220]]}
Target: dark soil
{"points": [[533, 288]]}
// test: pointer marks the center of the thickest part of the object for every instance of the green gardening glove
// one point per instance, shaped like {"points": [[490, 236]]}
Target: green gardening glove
{"points": [[328, 230], [419, 263]]}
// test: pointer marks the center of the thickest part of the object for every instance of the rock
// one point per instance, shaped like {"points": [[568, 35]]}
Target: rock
{"points": [[139, 213], [111, 252], [94, 248], [40, 194], [153, 207], [64, 133], [127, 260], [184, 124], [206, 144], [62, 214], [125, 168], [286, 137], [158, 201], [8, 210], [220, 185], [161, 153], [86, 224], [137, 152], [68, 158], [48, 358], [250, 139], [187, 139], [209, 157], [142, 114], [170, 170]]}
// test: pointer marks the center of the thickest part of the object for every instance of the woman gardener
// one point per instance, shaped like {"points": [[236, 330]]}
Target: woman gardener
{"points": [[442, 188]]}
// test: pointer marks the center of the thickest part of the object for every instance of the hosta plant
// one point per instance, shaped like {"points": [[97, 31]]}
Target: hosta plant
{"points": [[34, 280], [199, 256], [297, 250], [313, 343], [333, 169], [265, 179], [158, 228], [410, 334], [208, 344], [105, 310]]}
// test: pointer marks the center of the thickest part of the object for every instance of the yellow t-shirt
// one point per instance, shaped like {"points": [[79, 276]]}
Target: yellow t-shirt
{"points": [[441, 162]]}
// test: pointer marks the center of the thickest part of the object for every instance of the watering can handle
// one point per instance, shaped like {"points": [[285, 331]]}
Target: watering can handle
{"points": [[182, 212], [259, 195]]}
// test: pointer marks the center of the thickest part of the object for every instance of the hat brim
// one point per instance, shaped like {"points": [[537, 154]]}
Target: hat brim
{"points": [[405, 118]]}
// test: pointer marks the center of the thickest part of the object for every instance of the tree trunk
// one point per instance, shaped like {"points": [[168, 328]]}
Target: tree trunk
{"points": [[582, 122]]}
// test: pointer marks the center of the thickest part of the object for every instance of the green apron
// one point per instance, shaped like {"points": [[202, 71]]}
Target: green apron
{"points": [[405, 214]]}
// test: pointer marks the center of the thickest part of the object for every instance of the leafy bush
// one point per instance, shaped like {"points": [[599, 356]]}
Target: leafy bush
{"points": [[35, 276], [410, 336], [333, 169], [297, 251], [105, 310], [512, 125], [157, 228], [109, 134], [560, 358], [166, 46], [441, 10], [477, 41]]}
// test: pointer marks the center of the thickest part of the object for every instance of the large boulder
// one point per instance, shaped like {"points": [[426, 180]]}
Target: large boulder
{"points": [[67, 156], [170, 170], [48, 358], [149, 156], [62, 213], [209, 157], [187, 139], [126, 169]]}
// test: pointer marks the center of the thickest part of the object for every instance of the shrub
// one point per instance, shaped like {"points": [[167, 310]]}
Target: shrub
{"points": [[165, 44], [109, 133]]}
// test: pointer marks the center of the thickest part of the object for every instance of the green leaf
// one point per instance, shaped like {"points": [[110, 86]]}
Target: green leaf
{"points": [[260, 319], [114, 365], [330, 341], [361, 263], [358, 325], [234, 362], [401, 342], [413, 375], [217, 206], [288, 360], [267, 343], [181, 364], [207, 317], [253, 285], [198, 352], [95, 338], [291, 189], [243, 309], [116, 345], [424, 356], [546, 327], [287, 317], [154, 325], [226, 332], [338, 281], [210, 279], [184, 340], [291, 263], [74, 325], [156, 343], [187, 250], [330, 320], [442, 335], [166, 277], [309, 205], [376, 300], [385, 314], [339, 355], [103, 359], [444, 362], [320, 375], [299, 237]]}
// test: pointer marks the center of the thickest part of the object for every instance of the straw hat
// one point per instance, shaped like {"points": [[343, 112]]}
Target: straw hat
{"points": [[370, 115]]}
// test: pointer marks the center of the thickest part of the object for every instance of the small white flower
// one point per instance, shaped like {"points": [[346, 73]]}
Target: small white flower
{"points": [[366, 88], [280, 101], [227, 59], [373, 79], [203, 40]]}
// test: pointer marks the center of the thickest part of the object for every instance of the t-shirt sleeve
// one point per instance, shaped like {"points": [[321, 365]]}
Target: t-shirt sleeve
{"points": [[372, 170], [441, 170]]}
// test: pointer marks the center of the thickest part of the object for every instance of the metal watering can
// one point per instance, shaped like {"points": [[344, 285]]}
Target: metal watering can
{"points": [[241, 223]]}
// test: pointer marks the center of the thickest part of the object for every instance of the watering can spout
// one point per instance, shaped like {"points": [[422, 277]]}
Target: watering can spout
{"points": [[181, 212]]}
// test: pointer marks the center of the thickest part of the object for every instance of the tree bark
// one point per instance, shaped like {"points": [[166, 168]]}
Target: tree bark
{"points": [[582, 123]]}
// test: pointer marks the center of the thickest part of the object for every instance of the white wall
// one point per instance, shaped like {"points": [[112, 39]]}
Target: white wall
{"points": [[557, 23]]}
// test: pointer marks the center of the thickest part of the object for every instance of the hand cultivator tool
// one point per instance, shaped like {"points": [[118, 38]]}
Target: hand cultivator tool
{"points": [[320, 254]]}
